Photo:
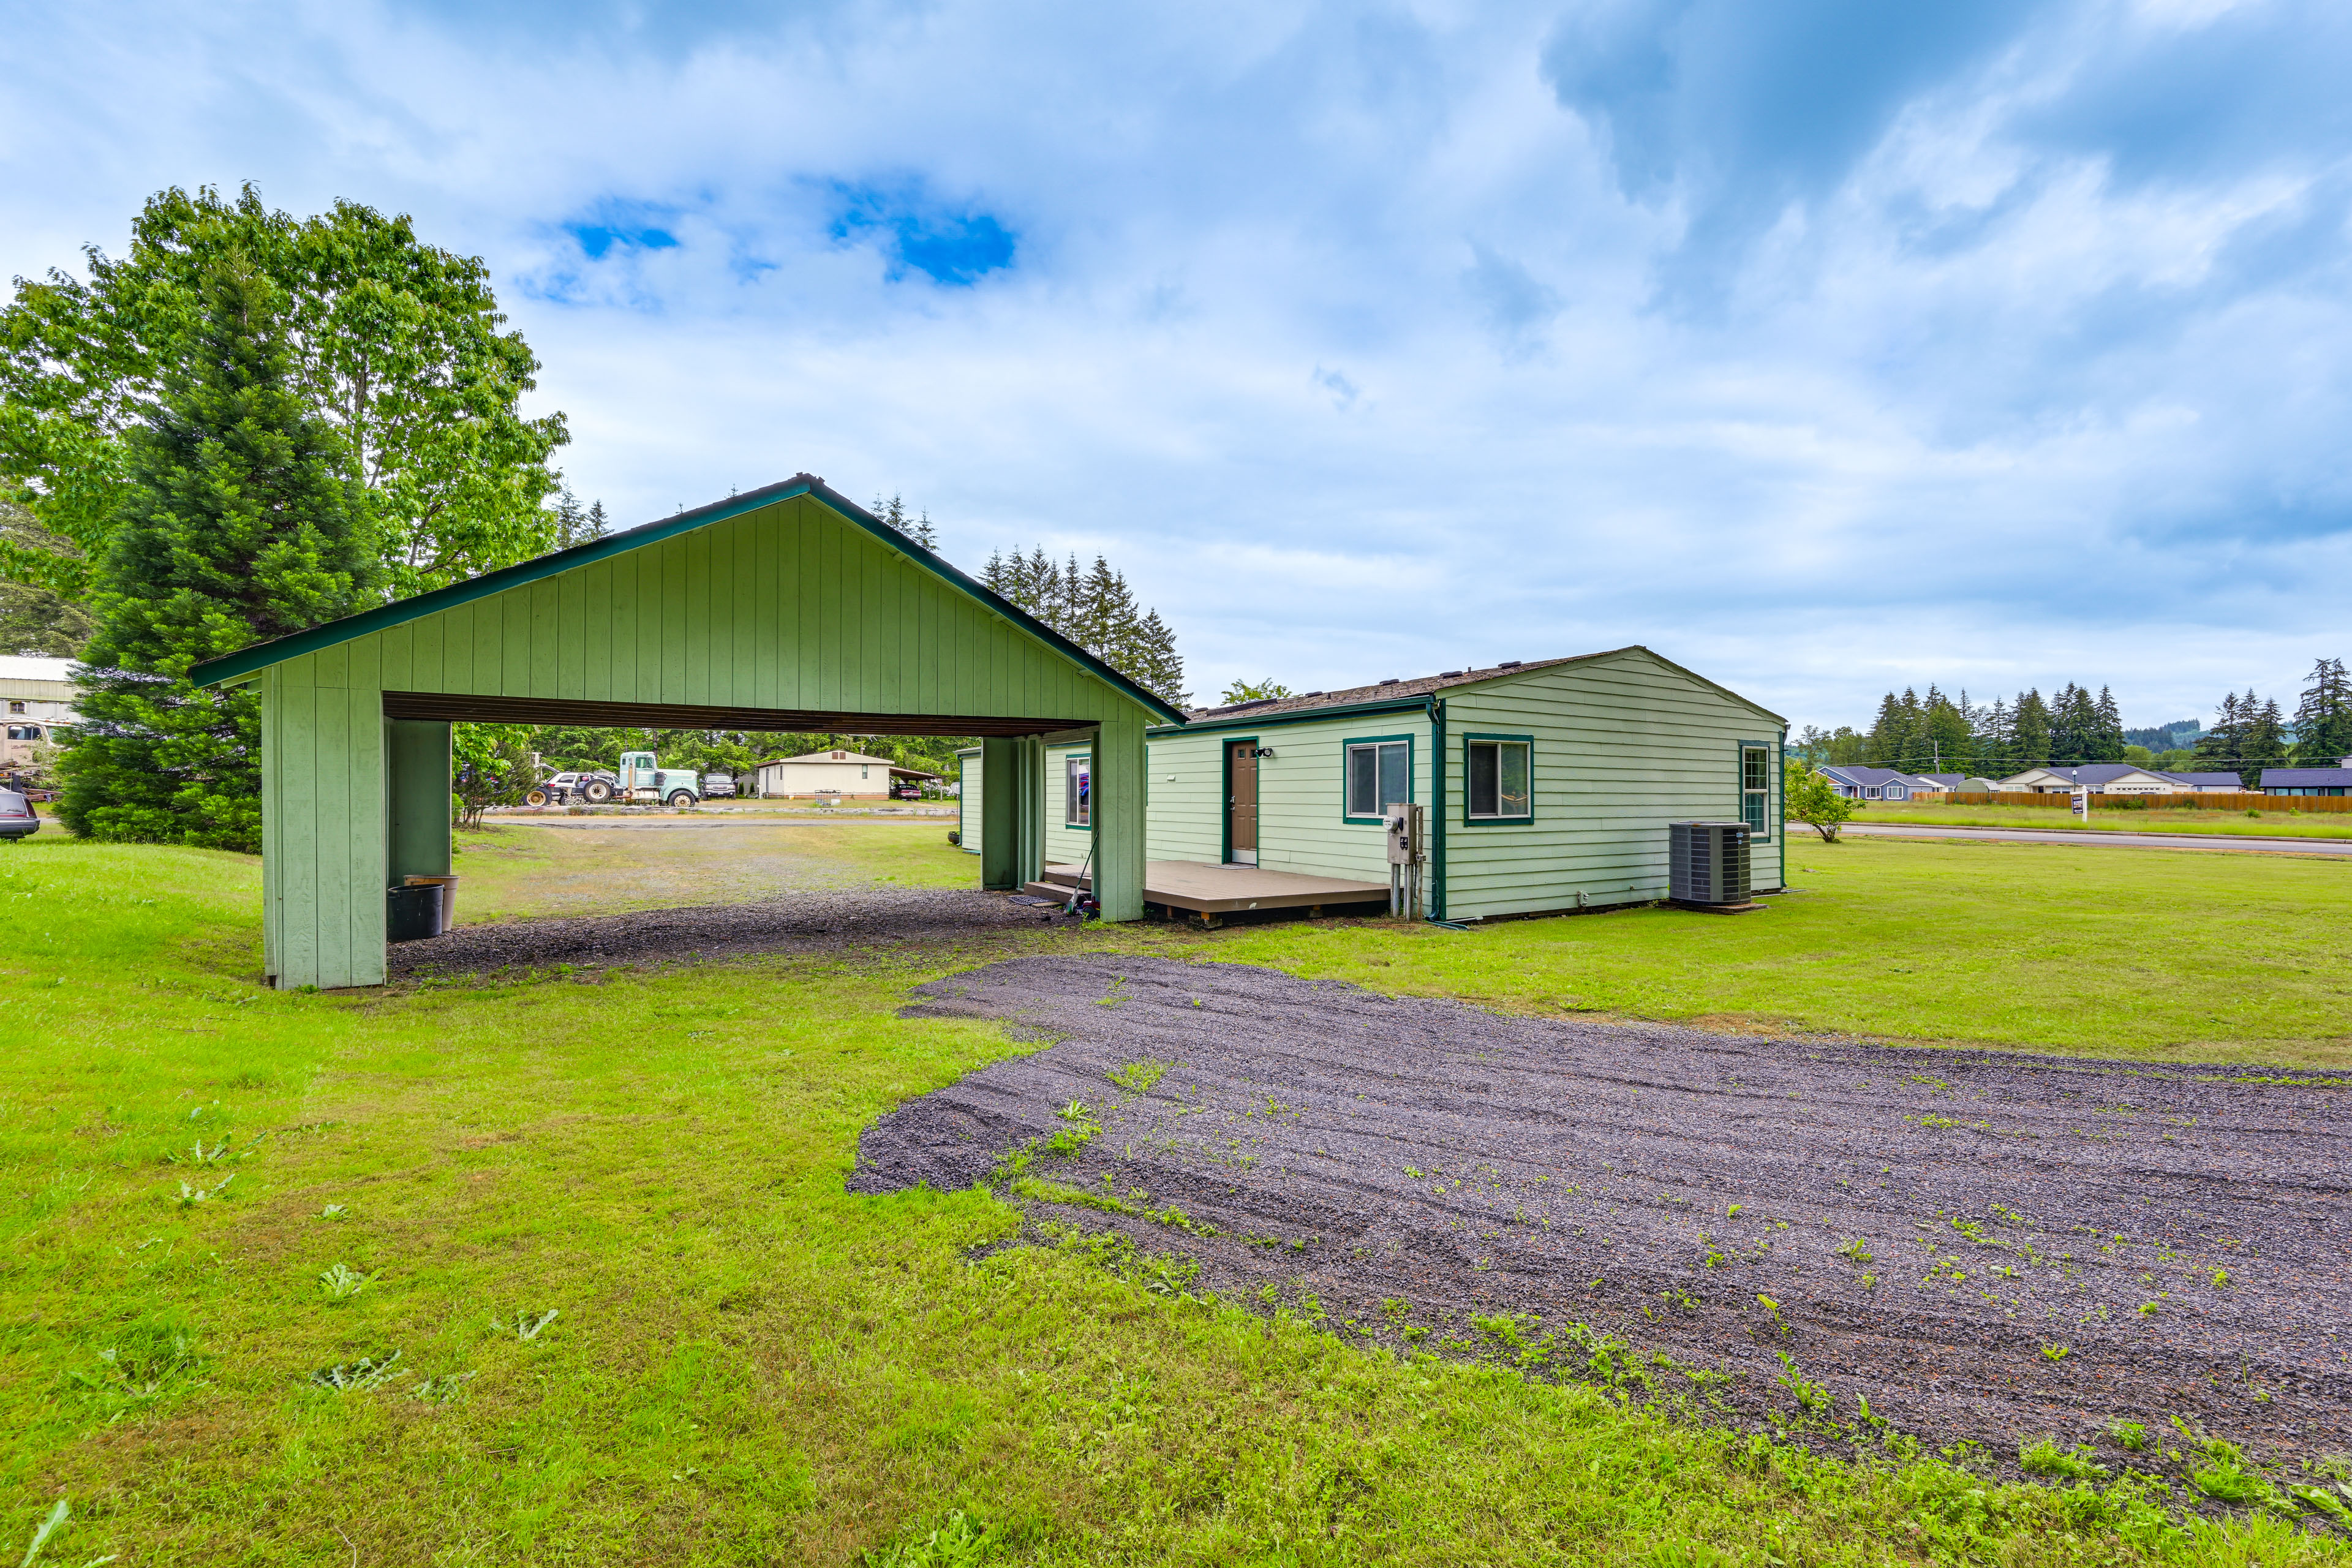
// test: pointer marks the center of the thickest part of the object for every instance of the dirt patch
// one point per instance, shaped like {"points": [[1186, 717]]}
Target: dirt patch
{"points": [[1967, 1241], [799, 922]]}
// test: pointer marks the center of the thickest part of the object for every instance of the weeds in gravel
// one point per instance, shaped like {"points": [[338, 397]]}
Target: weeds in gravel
{"points": [[1138, 1078], [2044, 1456], [1811, 1396], [1854, 1250]]}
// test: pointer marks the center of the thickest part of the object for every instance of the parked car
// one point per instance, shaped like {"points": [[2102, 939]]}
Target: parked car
{"points": [[718, 786], [17, 819]]}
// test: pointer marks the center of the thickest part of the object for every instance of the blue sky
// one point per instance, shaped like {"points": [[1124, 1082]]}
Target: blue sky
{"points": [[1822, 346]]}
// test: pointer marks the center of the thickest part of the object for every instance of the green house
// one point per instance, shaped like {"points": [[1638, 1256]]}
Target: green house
{"points": [[1549, 783]]}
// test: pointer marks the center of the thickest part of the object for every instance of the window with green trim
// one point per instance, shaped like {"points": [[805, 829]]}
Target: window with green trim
{"points": [[1756, 789], [1077, 802], [1380, 774], [1498, 787]]}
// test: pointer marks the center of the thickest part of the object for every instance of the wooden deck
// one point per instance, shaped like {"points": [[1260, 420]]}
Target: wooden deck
{"points": [[1209, 891]]}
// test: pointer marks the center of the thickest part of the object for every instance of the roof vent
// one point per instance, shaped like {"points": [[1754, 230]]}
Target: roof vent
{"points": [[1448, 674], [1508, 664], [1314, 694], [1392, 680]]}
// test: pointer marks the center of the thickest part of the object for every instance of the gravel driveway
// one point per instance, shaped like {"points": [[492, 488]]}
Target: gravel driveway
{"points": [[796, 922], [1985, 1246]]}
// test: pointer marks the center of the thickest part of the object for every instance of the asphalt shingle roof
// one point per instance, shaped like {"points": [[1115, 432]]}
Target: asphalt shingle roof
{"points": [[1383, 691]]}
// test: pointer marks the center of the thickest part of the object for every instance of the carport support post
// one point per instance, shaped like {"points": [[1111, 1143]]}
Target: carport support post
{"points": [[416, 804], [1118, 819], [1029, 839]]}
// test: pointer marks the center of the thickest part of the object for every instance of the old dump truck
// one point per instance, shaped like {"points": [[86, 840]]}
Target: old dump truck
{"points": [[643, 781]]}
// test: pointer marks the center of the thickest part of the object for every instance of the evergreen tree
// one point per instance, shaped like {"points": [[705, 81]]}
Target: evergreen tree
{"points": [[235, 527], [2220, 746], [2265, 745], [575, 524], [919, 528], [2107, 735], [1994, 743], [2323, 719], [1158, 667], [1947, 736], [1890, 732], [2029, 729]]}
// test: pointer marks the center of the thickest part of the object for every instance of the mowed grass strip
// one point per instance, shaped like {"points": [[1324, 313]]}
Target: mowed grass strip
{"points": [[2281, 822], [613, 1306], [2144, 954]]}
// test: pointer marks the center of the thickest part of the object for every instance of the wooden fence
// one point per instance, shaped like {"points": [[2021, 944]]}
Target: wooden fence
{"points": [[2245, 802]]}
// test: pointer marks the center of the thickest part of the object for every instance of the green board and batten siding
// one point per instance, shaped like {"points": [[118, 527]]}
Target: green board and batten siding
{"points": [[784, 606]]}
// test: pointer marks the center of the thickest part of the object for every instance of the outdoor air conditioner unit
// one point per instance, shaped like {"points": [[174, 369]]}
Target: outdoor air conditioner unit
{"points": [[1707, 862]]}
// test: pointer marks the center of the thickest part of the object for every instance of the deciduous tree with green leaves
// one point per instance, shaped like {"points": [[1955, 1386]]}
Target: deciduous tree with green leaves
{"points": [[234, 523], [1814, 801], [395, 347]]}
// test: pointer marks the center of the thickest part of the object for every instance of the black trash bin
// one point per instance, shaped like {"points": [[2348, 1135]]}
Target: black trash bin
{"points": [[412, 914]]}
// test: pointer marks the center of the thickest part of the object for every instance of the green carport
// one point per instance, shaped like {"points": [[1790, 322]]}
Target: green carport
{"points": [[789, 608]]}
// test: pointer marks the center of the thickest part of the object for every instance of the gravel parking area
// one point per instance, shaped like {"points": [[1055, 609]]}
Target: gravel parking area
{"points": [[797, 922], [1984, 1245]]}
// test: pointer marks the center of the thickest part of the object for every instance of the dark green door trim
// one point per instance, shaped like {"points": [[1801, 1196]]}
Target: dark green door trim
{"points": [[1225, 744]]}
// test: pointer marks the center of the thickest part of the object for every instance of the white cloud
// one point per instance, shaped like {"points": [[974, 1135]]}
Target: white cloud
{"points": [[1335, 329]]}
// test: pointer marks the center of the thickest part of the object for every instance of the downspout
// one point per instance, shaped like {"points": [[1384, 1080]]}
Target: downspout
{"points": [[1437, 807]]}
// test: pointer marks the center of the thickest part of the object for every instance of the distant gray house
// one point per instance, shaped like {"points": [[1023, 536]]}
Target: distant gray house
{"points": [[2308, 781], [1881, 783]]}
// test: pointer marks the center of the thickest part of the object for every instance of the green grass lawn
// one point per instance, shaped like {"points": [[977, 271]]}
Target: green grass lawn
{"points": [[2147, 954], [2286, 822], [746, 1365]]}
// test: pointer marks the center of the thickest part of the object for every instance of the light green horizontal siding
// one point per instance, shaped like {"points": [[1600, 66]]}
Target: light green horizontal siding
{"points": [[1622, 747], [1300, 792], [1065, 845], [968, 804]]}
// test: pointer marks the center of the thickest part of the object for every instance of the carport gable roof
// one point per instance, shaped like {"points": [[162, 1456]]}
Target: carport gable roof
{"points": [[247, 661]]}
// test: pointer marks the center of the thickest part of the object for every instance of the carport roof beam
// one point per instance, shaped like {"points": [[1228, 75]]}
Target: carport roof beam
{"points": [[482, 709]]}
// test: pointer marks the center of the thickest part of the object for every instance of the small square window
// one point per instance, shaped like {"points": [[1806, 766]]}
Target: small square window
{"points": [[1499, 780], [1077, 804]]}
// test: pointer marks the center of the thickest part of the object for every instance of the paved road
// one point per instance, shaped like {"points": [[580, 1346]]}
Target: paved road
{"points": [[2339, 847]]}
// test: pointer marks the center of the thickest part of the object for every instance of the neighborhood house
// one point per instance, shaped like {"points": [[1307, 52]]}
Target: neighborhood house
{"points": [[2309, 781], [1549, 783], [2119, 778], [37, 695], [846, 775]]}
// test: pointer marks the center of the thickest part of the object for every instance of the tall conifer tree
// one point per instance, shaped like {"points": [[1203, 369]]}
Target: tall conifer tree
{"points": [[235, 527], [2323, 719], [2029, 729]]}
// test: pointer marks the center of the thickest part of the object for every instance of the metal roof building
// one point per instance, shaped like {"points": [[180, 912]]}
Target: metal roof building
{"points": [[788, 608]]}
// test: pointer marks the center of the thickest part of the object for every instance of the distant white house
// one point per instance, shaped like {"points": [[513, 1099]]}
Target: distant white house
{"points": [[2119, 778], [833, 775], [38, 696]]}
